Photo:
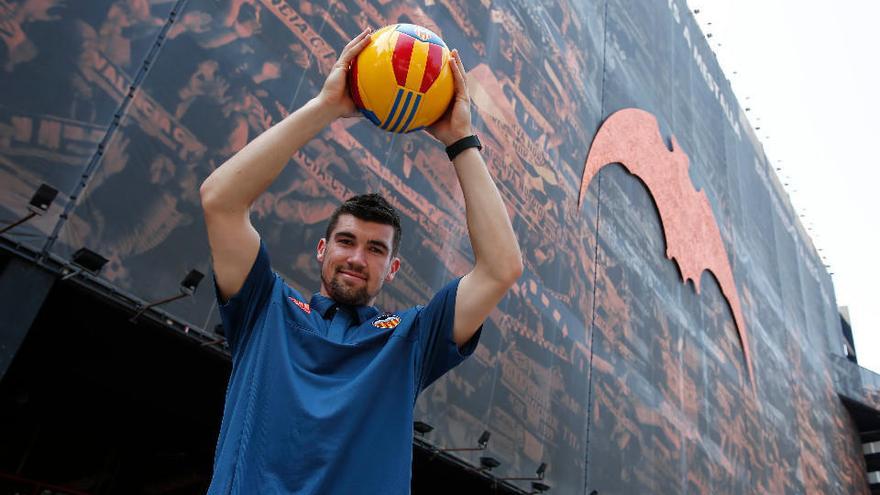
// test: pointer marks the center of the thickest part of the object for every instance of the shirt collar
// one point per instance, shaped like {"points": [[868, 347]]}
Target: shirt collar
{"points": [[323, 305]]}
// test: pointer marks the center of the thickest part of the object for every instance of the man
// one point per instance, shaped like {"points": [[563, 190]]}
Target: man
{"points": [[321, 394]]}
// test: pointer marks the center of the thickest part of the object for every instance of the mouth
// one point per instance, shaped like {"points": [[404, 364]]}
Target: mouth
{"points": [[353, 275]]}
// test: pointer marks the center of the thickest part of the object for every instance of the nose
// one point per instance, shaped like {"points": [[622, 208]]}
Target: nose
{"points": [[357, 258]]}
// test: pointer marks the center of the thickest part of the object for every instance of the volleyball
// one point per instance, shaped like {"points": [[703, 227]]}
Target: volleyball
{"points": [[401, 81]]}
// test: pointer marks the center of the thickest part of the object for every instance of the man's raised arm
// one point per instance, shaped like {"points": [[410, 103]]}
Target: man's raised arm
{"points": [[228, 193], [498, 261]]}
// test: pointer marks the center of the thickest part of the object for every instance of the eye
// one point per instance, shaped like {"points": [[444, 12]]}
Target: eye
{"points": [[377, 250], [346, 242]]}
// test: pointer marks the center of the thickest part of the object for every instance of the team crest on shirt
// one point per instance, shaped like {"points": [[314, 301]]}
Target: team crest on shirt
{"points": [[387, 321], [303, 306]]}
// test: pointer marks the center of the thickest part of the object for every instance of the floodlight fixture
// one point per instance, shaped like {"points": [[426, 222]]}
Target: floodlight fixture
{"points": [[421, 427], [189, 283], [84, 259], [42, 199], [187, 288], [482, 442], [40, 203], [539, 475], [488, 463], [538, 487], [89, 260]]}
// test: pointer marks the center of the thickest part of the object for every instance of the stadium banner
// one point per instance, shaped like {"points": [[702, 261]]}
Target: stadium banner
{"points": [[674, 328]]}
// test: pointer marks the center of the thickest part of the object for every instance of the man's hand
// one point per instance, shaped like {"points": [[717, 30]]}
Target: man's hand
{"points": [[334, 96], [456, 122]]}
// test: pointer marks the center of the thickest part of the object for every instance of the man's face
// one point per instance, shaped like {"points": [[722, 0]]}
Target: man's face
{"points": [[356, 260]]}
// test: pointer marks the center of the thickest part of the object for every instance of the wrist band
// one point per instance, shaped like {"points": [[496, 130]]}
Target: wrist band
{"points": [[462, 144]]}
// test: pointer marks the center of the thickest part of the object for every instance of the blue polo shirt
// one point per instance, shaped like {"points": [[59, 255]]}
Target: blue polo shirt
{"points": [[321, 396]]}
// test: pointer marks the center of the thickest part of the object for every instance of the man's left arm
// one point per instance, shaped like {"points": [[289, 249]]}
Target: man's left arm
{"points": [[498, 260]]}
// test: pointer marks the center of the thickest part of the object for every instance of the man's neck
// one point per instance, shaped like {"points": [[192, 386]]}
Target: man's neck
{"points": [[324, 292]]}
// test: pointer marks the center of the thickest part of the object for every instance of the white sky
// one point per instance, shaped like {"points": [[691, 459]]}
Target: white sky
{"points": [[810, 72]]}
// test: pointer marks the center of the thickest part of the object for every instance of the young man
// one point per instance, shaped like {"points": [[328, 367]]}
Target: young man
{"points": [[322, 391]]}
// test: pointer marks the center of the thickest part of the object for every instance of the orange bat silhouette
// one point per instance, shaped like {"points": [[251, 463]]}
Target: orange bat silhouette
{"points": [[632, 138]]}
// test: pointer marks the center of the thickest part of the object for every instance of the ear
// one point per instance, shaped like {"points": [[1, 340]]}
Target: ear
{"points": [[322, 246], [392, 271]]}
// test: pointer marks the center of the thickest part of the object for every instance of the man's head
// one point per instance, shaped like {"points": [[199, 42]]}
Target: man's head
{"points": [[359, 251]]}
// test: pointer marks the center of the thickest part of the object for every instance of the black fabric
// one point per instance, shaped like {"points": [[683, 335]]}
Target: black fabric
{"points": [[462, 144]]}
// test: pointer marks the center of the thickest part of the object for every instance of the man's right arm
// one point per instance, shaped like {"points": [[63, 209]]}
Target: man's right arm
{"points": [[228, 193]]}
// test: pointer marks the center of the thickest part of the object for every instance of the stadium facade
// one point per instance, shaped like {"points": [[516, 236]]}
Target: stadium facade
{"points": [[675, 330]]}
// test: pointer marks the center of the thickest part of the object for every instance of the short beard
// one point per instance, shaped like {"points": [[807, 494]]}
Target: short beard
{"points": [[344, 294]]}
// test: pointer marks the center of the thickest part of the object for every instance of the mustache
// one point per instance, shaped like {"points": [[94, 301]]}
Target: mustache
{"points": [[351, 269]]}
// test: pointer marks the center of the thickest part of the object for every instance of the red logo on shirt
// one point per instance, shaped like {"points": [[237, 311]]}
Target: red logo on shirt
{"points": [[303, 306], [387, 321]]}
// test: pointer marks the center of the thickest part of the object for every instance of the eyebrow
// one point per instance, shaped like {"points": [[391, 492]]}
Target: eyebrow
{"points": [[373, 242]]}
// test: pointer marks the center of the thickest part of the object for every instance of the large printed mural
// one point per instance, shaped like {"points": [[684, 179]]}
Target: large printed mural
{"points": [[600, 362]]}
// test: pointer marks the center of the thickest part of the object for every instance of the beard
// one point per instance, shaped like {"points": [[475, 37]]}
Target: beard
{"points": [[342, 293]]}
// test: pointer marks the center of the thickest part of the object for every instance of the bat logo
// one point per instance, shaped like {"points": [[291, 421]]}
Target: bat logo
{"points": [[632, 138], [387, 321]]}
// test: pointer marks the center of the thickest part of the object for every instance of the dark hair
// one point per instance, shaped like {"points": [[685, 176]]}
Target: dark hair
{"points": [[371, 208]]}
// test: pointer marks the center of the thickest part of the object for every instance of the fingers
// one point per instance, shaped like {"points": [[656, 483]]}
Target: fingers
{"points": [[357, 39], [461, 90], [354, 47]]}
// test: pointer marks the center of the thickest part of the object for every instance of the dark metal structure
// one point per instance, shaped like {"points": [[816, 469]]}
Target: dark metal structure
{"points": [[601, 363]]}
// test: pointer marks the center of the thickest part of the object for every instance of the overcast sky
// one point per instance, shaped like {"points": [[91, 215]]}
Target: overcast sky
{"points": [[808, 70]]}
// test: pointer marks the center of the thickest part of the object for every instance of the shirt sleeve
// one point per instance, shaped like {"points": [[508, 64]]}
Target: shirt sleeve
{"points": [[438, 351], [242, 311]]}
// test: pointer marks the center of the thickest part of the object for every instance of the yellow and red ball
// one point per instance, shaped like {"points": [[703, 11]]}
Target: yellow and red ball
{"points": [[402, 81]]}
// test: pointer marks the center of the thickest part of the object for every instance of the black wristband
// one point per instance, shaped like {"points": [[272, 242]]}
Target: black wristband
{"points": [[462, 144]]}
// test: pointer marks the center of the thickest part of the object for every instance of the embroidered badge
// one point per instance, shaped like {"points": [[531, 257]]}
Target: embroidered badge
{"points": [[303, 306], [387, 321]]}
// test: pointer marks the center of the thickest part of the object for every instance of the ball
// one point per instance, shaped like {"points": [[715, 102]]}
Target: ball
{"points": [[402, 81]]}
